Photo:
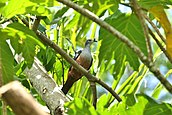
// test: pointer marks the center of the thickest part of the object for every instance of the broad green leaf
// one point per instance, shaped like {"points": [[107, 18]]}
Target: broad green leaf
{"points": [[101, 103], [113, 49], [48, 58], [2, 4], [38, 10], [141, 105], [60, 12], [23, 40], [14, 7], [73, 22], [80, 106], [6, 61], [48, 3], [151, 3]]}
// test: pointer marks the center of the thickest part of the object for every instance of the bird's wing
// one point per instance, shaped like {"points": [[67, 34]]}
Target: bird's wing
{"points": [[90, 63], [77, 53]]}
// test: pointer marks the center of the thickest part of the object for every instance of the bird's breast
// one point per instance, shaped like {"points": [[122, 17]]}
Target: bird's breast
{"points": [[84, 59]]}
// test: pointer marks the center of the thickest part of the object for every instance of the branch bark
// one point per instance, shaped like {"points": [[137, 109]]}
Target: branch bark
{"points": [[157, 41], [123, 38], [19, 100], [155, 28], [140, 16], [36, 23], [160, 46], [46, 87]]}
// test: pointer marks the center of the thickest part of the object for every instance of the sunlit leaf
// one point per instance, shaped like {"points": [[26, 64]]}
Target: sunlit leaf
{"points": [[101, 103], [14, 7], [169, 42], [78, 106], [6, 61], [160, 15], [142, 105], [23, 40], [60, 12]]}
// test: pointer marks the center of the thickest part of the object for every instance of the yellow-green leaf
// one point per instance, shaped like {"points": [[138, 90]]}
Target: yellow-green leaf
{"points": [[160, 15]]}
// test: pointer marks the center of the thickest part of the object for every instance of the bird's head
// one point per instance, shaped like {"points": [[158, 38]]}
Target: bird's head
{"points": [[89, 41]]}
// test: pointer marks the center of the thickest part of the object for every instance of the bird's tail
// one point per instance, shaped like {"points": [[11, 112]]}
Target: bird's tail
{"points": [[70, 81]]}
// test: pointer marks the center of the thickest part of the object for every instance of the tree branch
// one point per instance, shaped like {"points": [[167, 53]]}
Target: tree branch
{"points": [[157, 41], [160, 46], [36, 23], [19, 100], [46, 86], [123, 38], [140, 16], [90, 77], [155, 28]]}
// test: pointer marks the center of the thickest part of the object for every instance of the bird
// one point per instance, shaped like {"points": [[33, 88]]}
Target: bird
{"points": [[84, 58]]}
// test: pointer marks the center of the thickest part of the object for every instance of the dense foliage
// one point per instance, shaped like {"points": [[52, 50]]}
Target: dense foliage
{"points": [[113, 61]]}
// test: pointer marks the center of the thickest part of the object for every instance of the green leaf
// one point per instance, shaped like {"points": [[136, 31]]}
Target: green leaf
{"points": [[6, 61], [48, 58], [101, 103], [14, 7], [38, 10], [142, 105], [80, 106], [113, 49], [151, 3], [2, 4], [60, 12], [48, 3], [23, 40]]}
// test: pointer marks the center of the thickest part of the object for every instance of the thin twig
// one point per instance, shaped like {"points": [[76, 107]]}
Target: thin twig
{"points": [[129, 5], [61, 61], [140, 13], [94, 91], [126, 4], [123, 38], [71, 44], [24, 21], [160, 46], [160, 35], [36, 23], [155, 28]]}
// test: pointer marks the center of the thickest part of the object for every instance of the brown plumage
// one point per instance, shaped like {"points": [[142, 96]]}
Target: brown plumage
{"points": [[85, 60]]}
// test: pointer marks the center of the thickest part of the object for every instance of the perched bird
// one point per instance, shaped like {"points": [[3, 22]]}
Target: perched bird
{"points": [[84, 59]]}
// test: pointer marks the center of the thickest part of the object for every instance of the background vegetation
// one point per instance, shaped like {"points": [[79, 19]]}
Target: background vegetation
{"points": [[145, 23]]}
